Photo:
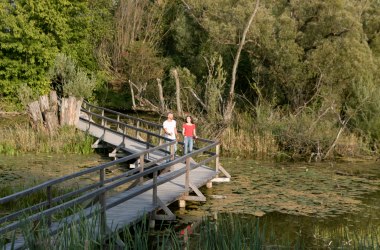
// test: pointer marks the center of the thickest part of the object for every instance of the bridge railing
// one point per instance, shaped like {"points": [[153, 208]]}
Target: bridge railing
{"points": [[122, 127], [54, 205], [138, 126]]}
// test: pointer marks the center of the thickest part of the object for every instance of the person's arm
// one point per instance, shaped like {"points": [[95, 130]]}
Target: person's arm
{"points": [[183, 130], [195, 133], [175, 132], [166, 131]]}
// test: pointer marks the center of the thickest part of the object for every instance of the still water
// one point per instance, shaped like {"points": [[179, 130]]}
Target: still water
{"points": [[321, 205], [318, 204]]}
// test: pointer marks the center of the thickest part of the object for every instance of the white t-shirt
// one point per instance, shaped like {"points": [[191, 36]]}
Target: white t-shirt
{"points": [[170, 128]]}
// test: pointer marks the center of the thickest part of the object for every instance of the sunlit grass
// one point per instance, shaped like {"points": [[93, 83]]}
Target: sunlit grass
{"points": [[20, 138]]}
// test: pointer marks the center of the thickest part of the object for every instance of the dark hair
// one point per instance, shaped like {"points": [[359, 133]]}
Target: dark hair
{"points": [[191, 119]]}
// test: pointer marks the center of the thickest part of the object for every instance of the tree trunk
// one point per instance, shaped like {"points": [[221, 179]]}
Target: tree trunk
{"points": [[35, 114], [77, 111], [70, 111], [161, 96], [53, 101], [231, 98], [51, 121], [178, 92], [132, 94], [44, 103]]}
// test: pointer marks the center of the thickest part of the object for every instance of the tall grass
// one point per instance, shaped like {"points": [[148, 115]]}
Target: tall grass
{"points": [[229, 231], [20, 138], [269, 133]]}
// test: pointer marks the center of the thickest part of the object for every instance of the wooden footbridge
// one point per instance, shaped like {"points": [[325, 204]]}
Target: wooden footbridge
{"points": [[158, 178]]}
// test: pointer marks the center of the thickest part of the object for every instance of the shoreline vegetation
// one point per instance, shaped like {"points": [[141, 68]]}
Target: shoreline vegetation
{"points": [[19, 137], [281, 79], [269, 140], [210, 233]]}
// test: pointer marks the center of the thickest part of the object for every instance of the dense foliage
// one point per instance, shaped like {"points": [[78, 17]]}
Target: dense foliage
{"points": [[308, 74]]}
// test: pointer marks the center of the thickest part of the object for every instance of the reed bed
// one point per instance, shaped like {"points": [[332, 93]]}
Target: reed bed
{"points": [[20, 138], [228, 231]]}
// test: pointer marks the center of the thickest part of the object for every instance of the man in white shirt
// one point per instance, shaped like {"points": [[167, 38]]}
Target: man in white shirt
{"points": [[170, 128]]}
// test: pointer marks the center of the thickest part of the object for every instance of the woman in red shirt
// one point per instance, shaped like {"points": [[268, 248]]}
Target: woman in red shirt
{"points": [[189, 134]]}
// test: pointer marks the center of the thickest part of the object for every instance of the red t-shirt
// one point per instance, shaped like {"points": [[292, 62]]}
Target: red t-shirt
{"points": [[189, 129]]}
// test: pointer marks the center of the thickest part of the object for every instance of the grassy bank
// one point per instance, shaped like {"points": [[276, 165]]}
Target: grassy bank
{"points": [[20, 138]]}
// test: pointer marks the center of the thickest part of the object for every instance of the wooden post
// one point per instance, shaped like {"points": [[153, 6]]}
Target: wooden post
{"points": [[102, 201], [217, 151], [44, 103], [142, 168], [49, 200], [51, 121], [161, 132], [154, 188], [172, 156], [78, 107], [89, 114], [35, 114], [187, 177], [102, 122], [137, 132], [70, 111], [118, 120], [53, 101], [148, 139]]}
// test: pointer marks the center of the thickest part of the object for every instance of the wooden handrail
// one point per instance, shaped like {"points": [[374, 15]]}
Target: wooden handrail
{"points": [[104, 185], [102, 190], [123, 125], [80, 173], [153, 124]]}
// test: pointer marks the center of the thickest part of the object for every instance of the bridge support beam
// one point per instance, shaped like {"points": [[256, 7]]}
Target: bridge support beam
{"points": [[226, 178], [186, 197], [168, 215]]}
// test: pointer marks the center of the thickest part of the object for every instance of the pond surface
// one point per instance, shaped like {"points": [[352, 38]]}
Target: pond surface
{"points": [[318, 203], [314, 203]]}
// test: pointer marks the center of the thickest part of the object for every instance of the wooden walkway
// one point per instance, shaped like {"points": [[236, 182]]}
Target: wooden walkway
{"points": [[175, 177]]}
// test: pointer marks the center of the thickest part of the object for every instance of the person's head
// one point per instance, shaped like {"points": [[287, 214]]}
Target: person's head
{"points": [[189, 119], [170, 116]]}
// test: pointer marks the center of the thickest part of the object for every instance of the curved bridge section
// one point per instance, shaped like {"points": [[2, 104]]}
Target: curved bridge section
{"points": [[160, 177]]}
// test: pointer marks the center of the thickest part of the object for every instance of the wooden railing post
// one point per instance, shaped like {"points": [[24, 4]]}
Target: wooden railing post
{"points": [[141, 168], [148, 139], [49, 200], [102, 122], [137, 132], [102, 201], [217, 151], [187, 177], [118, 120], [155, 188], [89, 115], [160, 133]]}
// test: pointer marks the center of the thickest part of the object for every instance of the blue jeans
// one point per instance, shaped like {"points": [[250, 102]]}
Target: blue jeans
{"points": [[189, 142]]}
